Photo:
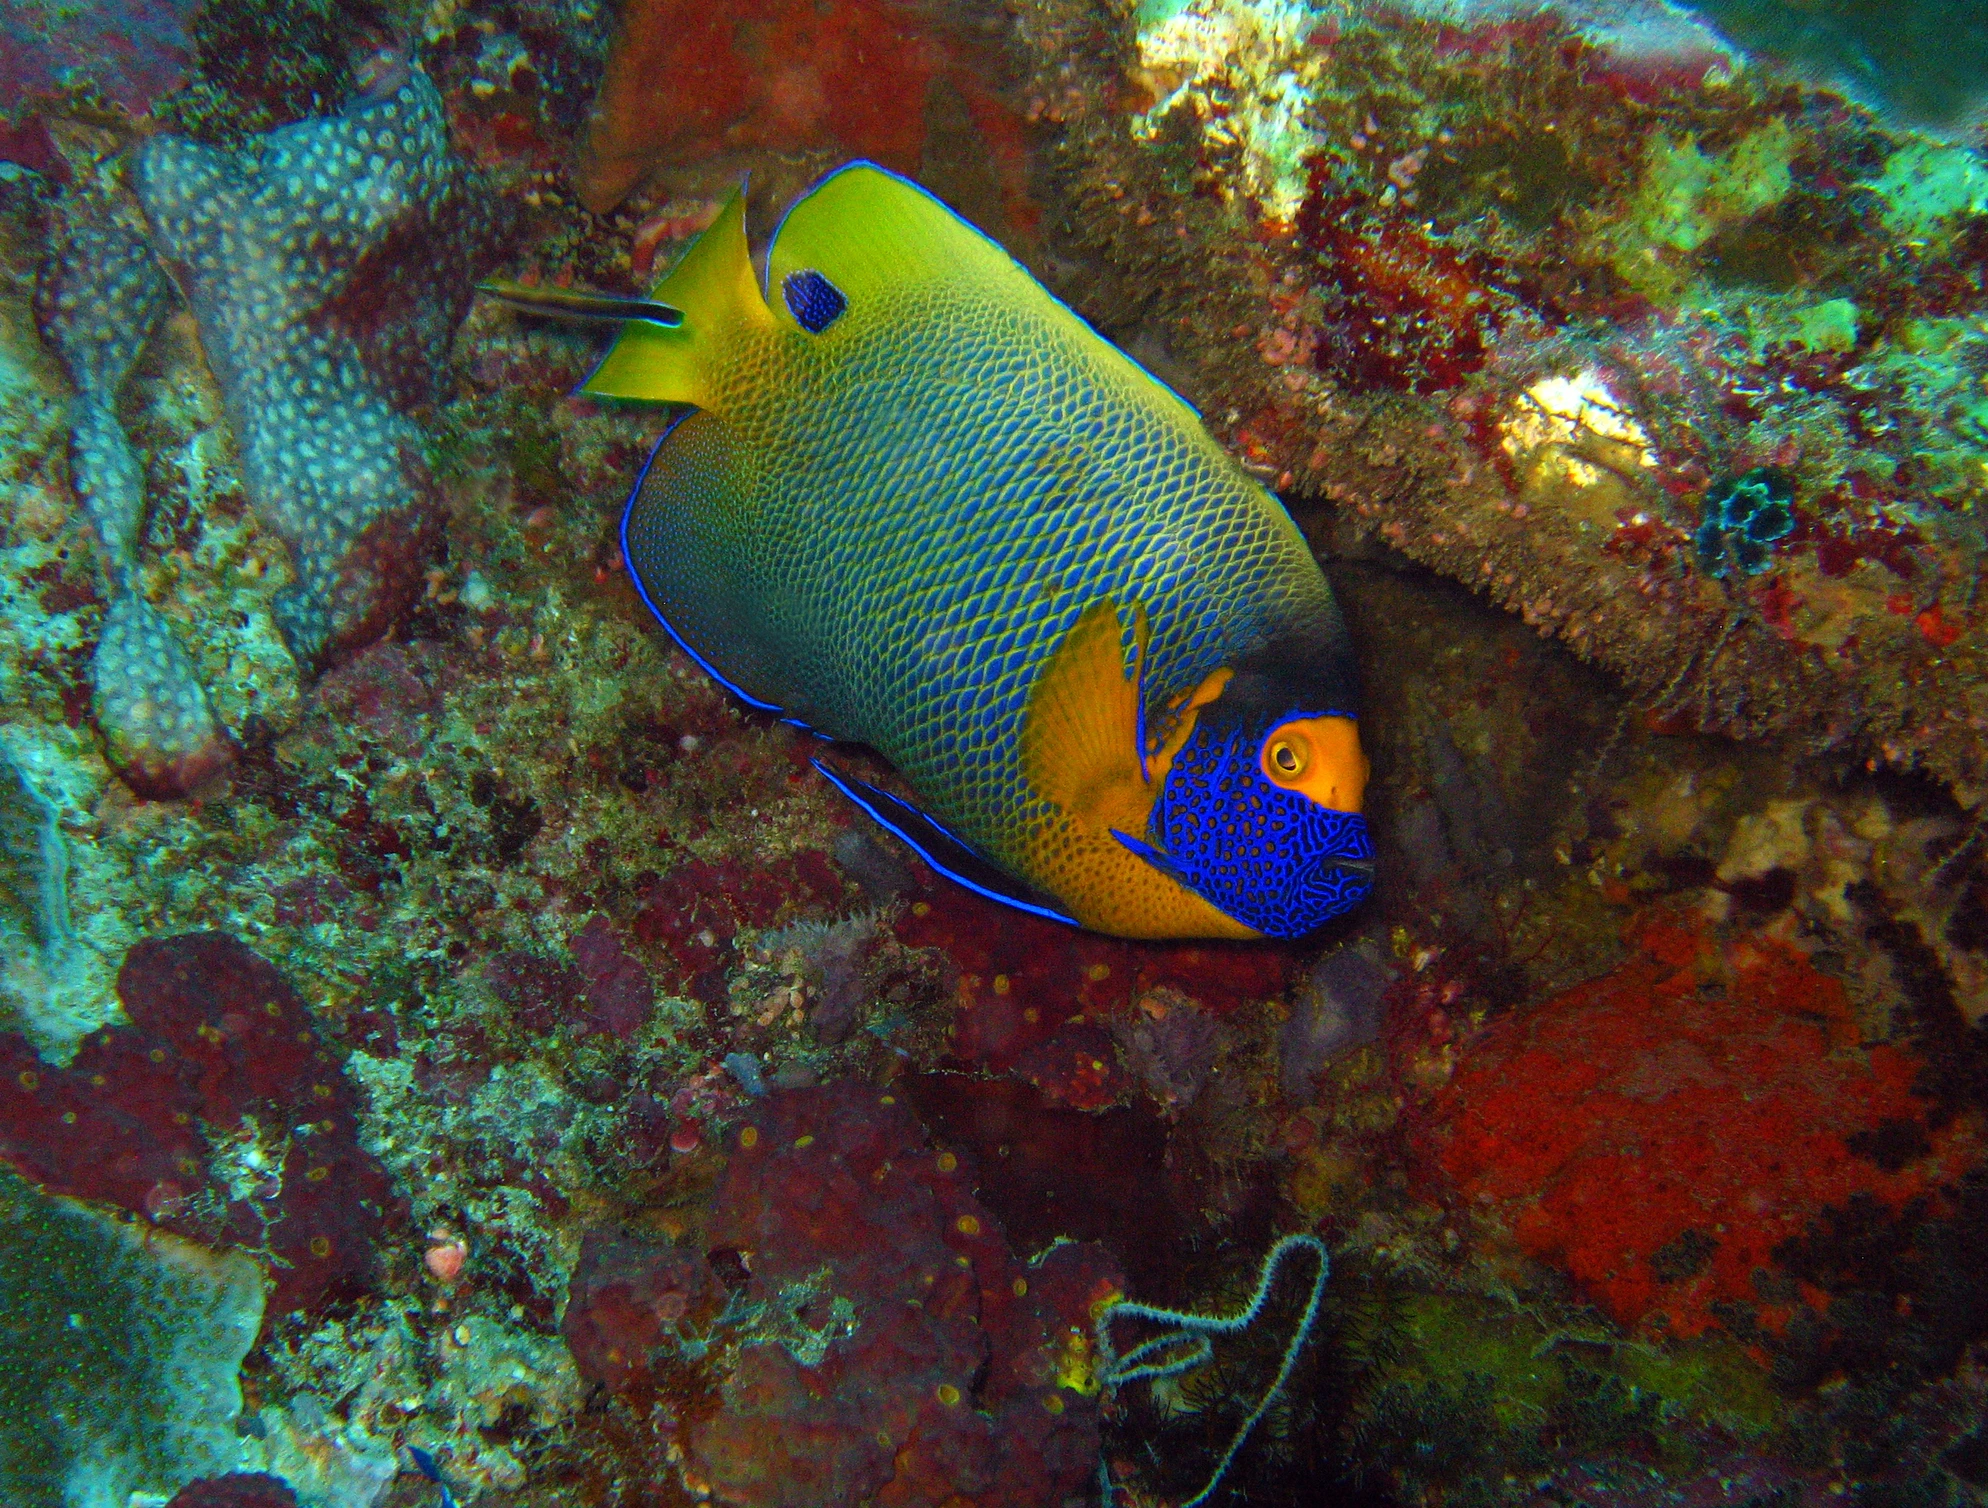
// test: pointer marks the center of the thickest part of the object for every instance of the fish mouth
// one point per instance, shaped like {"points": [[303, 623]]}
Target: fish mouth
{"points": [[1337, 882]]}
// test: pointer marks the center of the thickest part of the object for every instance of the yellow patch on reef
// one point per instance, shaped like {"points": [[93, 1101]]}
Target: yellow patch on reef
{"points": [[1076, 1362], [1576, 447]]}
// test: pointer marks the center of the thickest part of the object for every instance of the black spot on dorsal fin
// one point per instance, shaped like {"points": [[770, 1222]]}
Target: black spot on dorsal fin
{"points": [[813, 300]]}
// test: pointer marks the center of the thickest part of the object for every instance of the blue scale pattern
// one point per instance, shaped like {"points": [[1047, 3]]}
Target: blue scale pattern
{"points": [[813, 300]]}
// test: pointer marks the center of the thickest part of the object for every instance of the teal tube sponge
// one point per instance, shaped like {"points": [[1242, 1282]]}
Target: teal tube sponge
{"points": [[120, 1354]]}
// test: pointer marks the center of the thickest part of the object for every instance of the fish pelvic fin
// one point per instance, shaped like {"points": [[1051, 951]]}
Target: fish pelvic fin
{"points": [[1080, 752], [714, 287], [947, 853]]}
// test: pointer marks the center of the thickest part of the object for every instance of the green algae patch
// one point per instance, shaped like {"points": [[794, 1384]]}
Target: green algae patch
{"points": [[1684, 198], [1714, 1380], [1828, 326], [1588, 1382], [120, 1353], [1926, 183], [1452, 1339]]}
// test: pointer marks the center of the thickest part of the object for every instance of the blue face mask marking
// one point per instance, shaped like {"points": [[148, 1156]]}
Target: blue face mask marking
{"points": [[1271, 858]]}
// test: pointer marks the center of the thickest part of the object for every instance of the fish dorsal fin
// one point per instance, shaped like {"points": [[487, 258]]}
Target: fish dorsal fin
{"points": [[714, 287], [868, 231], [1080, 732]]}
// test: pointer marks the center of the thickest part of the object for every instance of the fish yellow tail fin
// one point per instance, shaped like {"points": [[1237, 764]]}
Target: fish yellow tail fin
{"points": [[714, 286]]}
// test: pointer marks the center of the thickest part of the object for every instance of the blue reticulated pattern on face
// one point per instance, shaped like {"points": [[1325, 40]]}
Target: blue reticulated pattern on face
{"points": [[1272, 858]]}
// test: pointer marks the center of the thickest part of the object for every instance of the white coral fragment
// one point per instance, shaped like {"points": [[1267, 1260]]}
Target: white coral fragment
{"points": [[1577, 423]]}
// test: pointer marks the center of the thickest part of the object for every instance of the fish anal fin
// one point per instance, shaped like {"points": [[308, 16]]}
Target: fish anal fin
{"points": [[1080, 731], [713, 285]]}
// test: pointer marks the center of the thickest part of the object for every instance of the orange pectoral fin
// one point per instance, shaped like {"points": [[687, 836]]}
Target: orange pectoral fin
{"points": [[1080, 752], [1319, 757], [1080, 734]]}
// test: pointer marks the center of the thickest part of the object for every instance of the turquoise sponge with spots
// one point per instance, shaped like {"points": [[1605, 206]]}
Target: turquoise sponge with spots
{"points": [[326, 265], [120, 1353]]}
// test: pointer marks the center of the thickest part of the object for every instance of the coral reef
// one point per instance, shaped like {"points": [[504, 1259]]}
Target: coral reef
{"points": [[215, 1112], [649, 1090], [49, 975], [236, 1490], [1338, 1008], [1743, 517], [1521, 304], [1707, 1108], [121, 53], [323, 342], [119, 1352]]}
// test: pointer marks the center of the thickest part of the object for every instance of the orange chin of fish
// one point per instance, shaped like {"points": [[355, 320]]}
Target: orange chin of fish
{"points": [[1319, 757]]}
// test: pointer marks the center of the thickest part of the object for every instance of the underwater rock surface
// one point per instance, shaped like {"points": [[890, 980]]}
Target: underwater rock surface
{"points": [[1524, 309], [1625, 383], [869, 1335]]}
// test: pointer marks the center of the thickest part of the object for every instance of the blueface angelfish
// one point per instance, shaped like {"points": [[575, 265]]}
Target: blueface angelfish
{"points": [[916, 503]]}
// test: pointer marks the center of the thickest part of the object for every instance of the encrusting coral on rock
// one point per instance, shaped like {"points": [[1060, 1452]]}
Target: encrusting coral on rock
{"points": [[326, 267], [866, 1327], [215, 1113], [119, 1349], [1538, 309]]}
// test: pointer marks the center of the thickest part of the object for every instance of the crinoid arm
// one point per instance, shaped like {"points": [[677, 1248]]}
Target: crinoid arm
{"points": [[1188, 1344]]}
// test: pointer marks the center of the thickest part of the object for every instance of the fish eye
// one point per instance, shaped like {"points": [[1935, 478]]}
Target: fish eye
{"points": [[1319, 758], [1287, 759]]}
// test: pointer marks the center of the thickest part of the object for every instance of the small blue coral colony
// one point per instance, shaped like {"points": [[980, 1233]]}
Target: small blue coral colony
{"points": [[919, 505], [1743, 516]]}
